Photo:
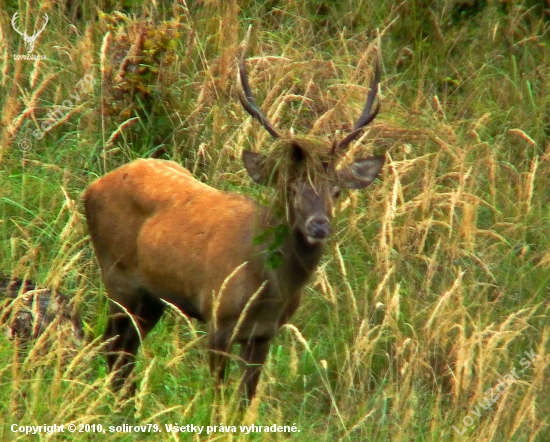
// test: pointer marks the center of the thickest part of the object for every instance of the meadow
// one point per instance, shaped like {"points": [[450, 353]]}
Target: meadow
{"points": [[428, 317]]}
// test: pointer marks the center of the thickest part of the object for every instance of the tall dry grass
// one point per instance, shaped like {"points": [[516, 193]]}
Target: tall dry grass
{"points": [[436, 281]]}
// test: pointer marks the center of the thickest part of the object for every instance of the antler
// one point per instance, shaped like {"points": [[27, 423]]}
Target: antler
{"points": [[13, 19], [366, 116], [45, 23], [248, 101]]}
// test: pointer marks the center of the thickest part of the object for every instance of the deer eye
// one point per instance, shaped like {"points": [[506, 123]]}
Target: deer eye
{"points": [[336, 192]]}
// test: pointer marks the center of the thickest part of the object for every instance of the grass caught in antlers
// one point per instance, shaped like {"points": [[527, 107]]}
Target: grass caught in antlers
{"points": [[436, 281]]}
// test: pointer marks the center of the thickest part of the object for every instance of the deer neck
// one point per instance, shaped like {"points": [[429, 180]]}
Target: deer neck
{"points": [[303, 256], [289, 259], [293, 262]]}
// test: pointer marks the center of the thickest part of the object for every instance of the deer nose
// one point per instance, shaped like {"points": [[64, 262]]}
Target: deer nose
{"points": [[318, 228]]}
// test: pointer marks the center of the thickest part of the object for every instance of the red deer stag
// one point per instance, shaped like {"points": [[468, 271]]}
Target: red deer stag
{"points": [[160, 234]]}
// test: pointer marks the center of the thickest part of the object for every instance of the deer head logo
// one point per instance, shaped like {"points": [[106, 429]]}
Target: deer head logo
{"points": [[29, 40]]}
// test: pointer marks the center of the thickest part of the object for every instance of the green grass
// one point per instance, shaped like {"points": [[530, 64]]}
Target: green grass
{"points": [[436, 281]]}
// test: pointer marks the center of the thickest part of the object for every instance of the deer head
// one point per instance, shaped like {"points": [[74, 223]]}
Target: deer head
{"points": [[306, 170], [29, 40]]}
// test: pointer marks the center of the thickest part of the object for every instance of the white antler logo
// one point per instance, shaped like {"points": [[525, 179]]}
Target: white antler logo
{"points": [[29, 40]]}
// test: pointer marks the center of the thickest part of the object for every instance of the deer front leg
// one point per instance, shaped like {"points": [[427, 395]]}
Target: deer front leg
{"points": [[254, 353], [218, 344]]}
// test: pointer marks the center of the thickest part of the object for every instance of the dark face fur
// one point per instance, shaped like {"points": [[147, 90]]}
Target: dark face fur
{"points": [[311, 207]]}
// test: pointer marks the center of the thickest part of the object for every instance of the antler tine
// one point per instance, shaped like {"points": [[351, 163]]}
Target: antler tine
{"points": [[248, 101], [13, 20], [366, 116], [45, 23]]}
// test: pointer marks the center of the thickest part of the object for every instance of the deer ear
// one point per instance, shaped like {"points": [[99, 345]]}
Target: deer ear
{"points": [[361, 172], [255, 166]]}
